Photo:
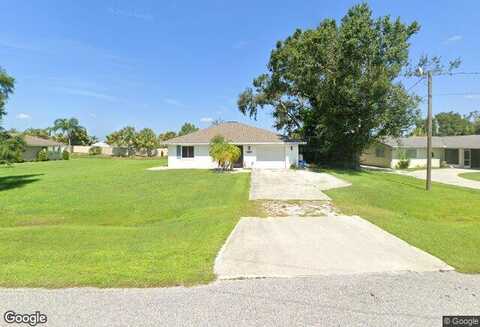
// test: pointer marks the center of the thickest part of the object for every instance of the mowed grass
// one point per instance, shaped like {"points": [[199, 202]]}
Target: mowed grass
{"points": [[444, 222], [472, 176], [111, 223]]}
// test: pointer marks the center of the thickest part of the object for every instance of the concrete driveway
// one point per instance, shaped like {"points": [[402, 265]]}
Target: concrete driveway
{"points": [[446, 176], [288, 184], [289, 247]]}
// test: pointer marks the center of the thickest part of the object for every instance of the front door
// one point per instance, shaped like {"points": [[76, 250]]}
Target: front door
{"points": [[239, 162], [467, 158]]}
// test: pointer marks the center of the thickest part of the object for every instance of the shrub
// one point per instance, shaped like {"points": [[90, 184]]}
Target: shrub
{"points": [[95, 150], [42, 155], [293, 166], [403, 164], [224, 153], [65, 155]]}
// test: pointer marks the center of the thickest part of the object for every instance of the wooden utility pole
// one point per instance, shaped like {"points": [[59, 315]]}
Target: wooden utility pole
{"points": [[429, 133]]}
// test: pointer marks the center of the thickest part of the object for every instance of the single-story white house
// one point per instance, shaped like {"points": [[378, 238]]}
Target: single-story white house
{"points": [[259, 148], [456, 151]]}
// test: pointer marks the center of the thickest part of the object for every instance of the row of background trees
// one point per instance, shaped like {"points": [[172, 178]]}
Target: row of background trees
{"points": [[145, 140], [450, 124]]}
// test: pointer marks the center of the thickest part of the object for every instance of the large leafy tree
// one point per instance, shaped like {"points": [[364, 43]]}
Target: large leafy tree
{"points": [[336, 86], [452, 123], [147, 141], [187, 128]]}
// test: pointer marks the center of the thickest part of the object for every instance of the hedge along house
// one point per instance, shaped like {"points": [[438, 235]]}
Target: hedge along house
{"points": [[259, 148], [455, 151], [36, 144]]}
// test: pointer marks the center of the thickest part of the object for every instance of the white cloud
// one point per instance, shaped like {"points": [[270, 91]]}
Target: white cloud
{"points": [[130, 14], [454, 38], [88, 93], [23, 116], [206, 119]]}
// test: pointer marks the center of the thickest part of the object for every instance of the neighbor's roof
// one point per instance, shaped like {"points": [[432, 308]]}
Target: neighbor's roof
{"points": [[463, 141], [38, 141], [101, 144], [233, 132]]}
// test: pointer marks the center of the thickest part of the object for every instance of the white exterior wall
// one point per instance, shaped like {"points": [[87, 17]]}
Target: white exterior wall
{"points": [[421, 160], [200, 160], [273, 156]]}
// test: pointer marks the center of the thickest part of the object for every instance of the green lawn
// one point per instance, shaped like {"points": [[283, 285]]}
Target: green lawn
{"points": [[444, 222], [472, 176], [110, 223]]}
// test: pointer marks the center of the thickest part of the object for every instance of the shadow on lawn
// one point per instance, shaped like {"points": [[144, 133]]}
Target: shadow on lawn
{"points": [[9, 182]]}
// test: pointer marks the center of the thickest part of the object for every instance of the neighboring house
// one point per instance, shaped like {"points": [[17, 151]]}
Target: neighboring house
{"points": [[35, 144], [259, 148], [456, 151]]}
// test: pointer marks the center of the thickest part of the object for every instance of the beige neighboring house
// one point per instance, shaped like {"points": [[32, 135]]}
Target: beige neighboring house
{"points": [[259, 148], [455, 151], [36, 144]]}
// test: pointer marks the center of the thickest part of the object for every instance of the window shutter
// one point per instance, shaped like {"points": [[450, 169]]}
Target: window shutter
{"points": [[179, 151]]}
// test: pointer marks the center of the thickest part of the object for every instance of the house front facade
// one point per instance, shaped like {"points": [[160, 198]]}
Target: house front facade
{"points": [[455, 151], [36, 144], [259, 148]]}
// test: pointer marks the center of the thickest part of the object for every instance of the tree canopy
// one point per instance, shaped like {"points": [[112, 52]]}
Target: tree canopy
{"points": [[336, 86], [71, 132], [452, 123], [146, 140], [449, 124], [7, 85], [187, 128], [125, 137], [11, 147]]}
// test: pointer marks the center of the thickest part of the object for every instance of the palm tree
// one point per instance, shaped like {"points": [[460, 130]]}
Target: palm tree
{"points": [[67, 127]]}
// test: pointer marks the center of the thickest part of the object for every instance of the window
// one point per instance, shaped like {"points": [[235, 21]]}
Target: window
{"points": [[412, 154], [380, 152], [187, 152]]}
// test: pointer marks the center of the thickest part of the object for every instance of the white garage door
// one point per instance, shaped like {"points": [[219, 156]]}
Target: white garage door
{"points": [[270, 156]]}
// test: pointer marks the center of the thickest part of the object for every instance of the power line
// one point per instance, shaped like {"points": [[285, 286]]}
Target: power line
{"points": [[461, 73], [415, 84]]}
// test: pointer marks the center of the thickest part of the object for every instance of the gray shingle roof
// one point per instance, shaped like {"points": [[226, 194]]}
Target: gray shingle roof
{"points": [[233, 132], [464, 141], [37, 141]]}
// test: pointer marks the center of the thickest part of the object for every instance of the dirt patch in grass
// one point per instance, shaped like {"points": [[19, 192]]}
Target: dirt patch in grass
{"points": [[299, 208]]}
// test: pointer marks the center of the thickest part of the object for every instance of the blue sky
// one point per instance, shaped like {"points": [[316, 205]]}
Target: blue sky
{"points": [[160, 63]]}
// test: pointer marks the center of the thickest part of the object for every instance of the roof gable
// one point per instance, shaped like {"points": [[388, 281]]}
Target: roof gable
{"points": [[37, 141], [233, 132]]}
